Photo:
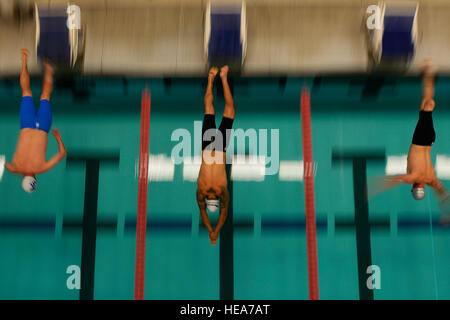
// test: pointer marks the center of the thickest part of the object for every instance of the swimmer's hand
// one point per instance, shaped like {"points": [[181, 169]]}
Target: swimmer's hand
{"points": [[61, 148], [56, 134], [57, 157], [213, 237]]}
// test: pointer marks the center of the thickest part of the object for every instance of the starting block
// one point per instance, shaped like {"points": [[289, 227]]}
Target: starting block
{"points": [[59, 35], [393, 45], [226, 34]]}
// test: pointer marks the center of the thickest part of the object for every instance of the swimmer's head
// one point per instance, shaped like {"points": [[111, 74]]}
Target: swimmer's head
{"points": [[29, 184], [212, 204], [418, 191]]}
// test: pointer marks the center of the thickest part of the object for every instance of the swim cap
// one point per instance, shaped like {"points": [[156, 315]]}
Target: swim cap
{"points": [[212, 204], [418, 193], [29, 184]]}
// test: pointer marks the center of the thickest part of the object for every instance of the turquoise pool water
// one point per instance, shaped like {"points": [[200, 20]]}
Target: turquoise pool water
{"points": [[41, 234]]}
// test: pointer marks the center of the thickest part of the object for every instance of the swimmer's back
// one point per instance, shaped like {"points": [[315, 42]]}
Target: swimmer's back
{"points": [[419, 163], [30, 150]]}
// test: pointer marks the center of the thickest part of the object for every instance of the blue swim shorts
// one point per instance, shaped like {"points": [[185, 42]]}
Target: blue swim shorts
{"points": [[41, 120]]}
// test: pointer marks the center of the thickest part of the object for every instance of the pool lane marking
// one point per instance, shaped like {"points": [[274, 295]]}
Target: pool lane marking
{"points": [[226, 250], [359, 159], [141, 223], [308, 176], [92, 162]]}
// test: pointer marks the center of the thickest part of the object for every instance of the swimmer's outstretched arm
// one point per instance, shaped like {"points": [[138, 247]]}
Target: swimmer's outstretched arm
{"points": [[380, 184], [224, 200], [10, 168], [57, 157], [202, 206], [439, 188], [444, 200]]}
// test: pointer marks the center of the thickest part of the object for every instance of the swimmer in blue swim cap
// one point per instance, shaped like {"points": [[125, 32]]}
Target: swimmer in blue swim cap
{"points": [[212, 184], [29, 158]]}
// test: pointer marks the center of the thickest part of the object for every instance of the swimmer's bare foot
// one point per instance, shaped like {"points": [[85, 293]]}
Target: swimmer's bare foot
{"points": [[212, 73], [24, 53], [224, 71]]}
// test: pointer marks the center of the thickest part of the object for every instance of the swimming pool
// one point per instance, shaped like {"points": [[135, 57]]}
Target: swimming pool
{"points": [[99, 118]]}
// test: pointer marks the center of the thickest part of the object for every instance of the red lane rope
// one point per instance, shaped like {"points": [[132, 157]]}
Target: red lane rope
{"points": [[141, 223], [308, 174]]}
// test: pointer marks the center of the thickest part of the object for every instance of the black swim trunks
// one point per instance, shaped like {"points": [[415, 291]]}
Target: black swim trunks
{"points": [[213, 139], [424, 135]]}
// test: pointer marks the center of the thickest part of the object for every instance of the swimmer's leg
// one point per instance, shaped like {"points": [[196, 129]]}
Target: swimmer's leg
{"points": [[209, 96], [228, 114], [209, 119], [47, 85], [229, 111], [428, 87], [225, 129], [27, 109], [208, 131], [24, 76], [27, 113], [44, 116], [424, 134]]}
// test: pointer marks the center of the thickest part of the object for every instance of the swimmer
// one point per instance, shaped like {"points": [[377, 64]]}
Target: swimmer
{"points": [[212, 182], [29, 158], [420, 171]]}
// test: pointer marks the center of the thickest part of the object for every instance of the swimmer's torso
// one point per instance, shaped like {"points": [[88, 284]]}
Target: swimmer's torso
{"points": [[419, 163], [212, 174], [30, 151]]}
